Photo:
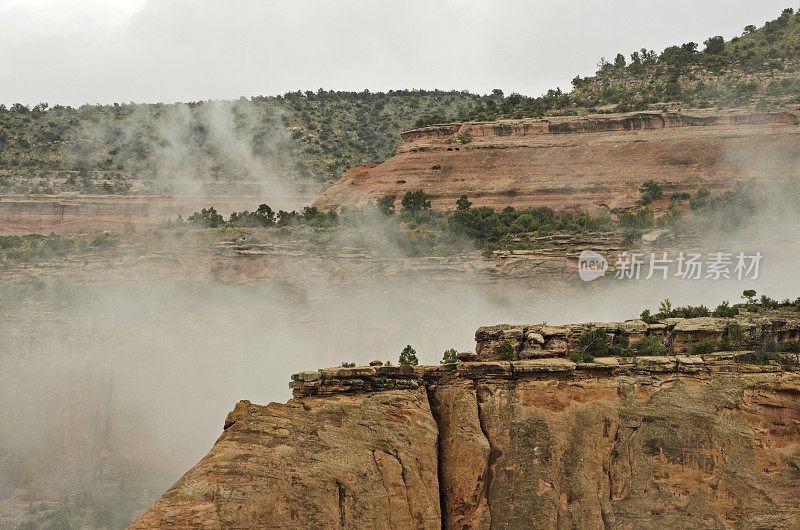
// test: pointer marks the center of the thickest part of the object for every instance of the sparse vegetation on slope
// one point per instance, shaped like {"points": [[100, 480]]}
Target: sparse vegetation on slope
{"points": [[760, 68], [316, 136], [299, 136]]}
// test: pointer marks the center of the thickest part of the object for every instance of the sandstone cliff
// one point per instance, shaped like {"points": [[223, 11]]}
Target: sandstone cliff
{"points": [[590, 164], [619, 442]]}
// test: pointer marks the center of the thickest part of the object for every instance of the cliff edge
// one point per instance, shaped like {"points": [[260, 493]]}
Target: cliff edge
{"points": [[678, 440]]}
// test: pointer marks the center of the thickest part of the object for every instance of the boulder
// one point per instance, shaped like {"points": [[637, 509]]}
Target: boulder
{"points": [[307, 376], [536, 353], [467, 356], [632, 327], [534, 338], [702, 325], [656, 363], [512, 333], [553, 331]]}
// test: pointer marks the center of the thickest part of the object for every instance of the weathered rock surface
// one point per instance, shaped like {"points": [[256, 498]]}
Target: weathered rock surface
{"points": [[619, 453], [679, 441], [591, 164], [352, 461], [538, 340]]}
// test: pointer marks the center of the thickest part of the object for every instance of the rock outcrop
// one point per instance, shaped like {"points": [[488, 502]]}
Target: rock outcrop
{"points": [[341, 460], [675, 440], [591, 164], [746, 330]]}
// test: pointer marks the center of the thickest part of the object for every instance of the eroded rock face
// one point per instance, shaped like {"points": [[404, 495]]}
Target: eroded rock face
{"points": [[350, 461], [547, 450], [657, 453], [590, 164], [679, 441], [465, 456]]}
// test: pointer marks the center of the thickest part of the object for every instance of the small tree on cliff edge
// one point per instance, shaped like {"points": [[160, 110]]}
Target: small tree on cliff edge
{"points": [[408, 356], [749, 295], [450, 356]]}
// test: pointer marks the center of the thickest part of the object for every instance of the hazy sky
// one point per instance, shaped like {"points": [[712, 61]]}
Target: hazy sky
{"points": [[103, 51]]}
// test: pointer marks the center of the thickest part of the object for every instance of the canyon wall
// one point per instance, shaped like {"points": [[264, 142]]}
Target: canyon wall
{"points": [[675, 440], [588, 164]]}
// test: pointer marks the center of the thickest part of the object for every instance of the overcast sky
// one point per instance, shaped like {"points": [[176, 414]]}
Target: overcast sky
{"points": [[104, 51]]}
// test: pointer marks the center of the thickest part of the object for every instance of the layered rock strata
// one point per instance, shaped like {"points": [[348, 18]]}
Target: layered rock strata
{"points": [[649, 441], [591, 164], [747, 330]]}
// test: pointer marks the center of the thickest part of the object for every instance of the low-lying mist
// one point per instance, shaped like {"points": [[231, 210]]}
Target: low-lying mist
{"points": [[149, 369], [112, 388]]}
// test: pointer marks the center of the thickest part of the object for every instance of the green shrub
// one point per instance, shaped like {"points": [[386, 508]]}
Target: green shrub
{"points": [[665, 310], [386, 205], [790, 346], [647, 317], [414, 201], [725, 310], [263, 216], [732, 338], [346, 364], [104, 241], [506, 351], [700, 199], [650, 346], [704, 347], [766, 357], [749, 295], [651, 191], [207, 218], [644, 218], [591, 344], [631, 237]]}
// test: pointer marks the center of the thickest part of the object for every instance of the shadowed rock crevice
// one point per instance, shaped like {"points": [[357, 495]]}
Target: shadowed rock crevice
{"points": [[494, 452], [340, 492], [436, 413], [464, 453]]}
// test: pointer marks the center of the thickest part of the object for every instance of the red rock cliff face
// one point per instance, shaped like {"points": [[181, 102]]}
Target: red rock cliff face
{"points": [[590, 164], [336, 461], [620, 442]]}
